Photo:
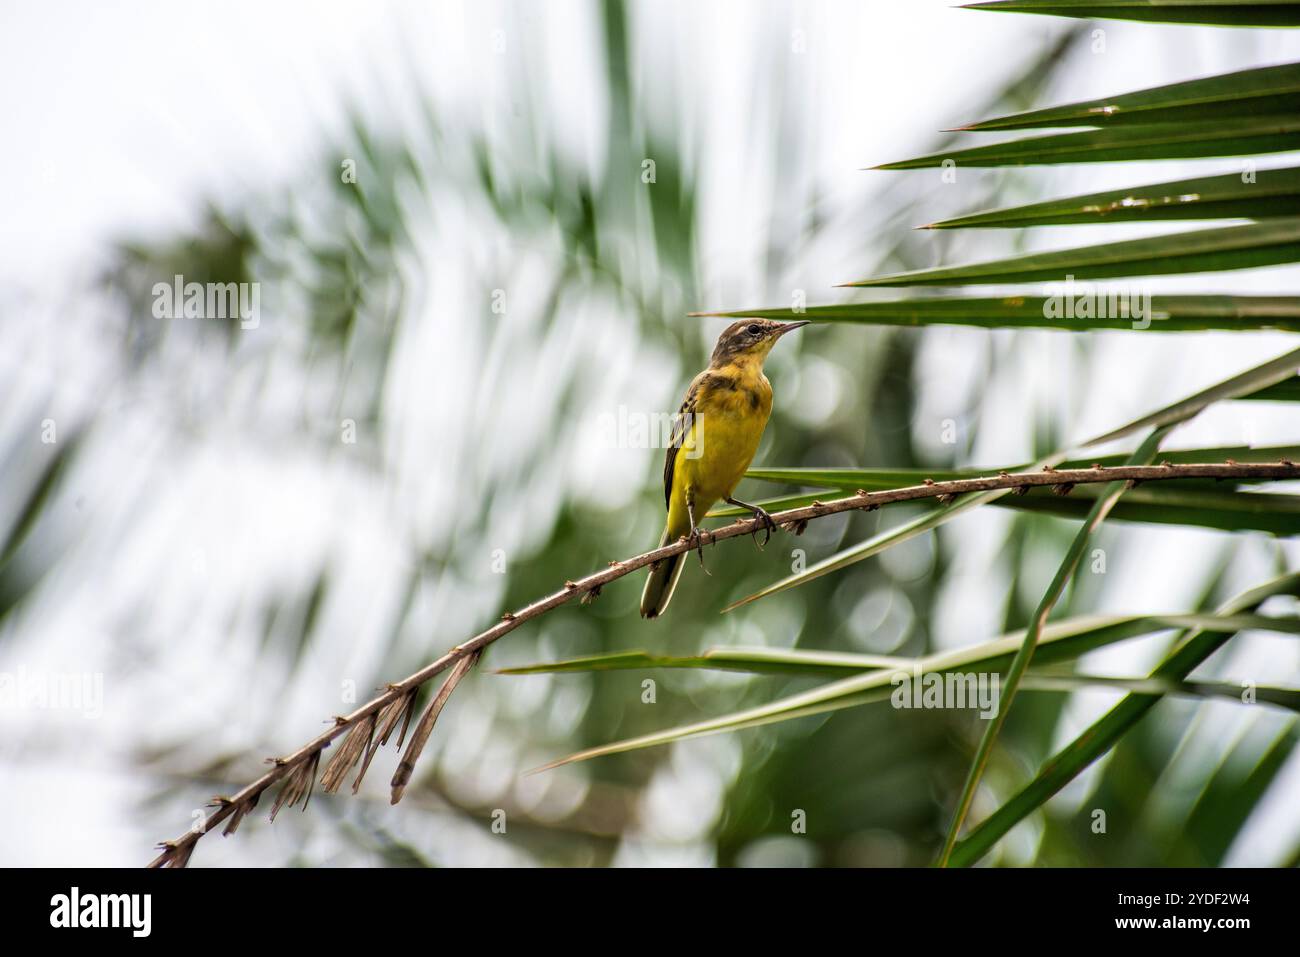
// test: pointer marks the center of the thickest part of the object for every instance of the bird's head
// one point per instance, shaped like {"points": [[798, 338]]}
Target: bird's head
{"points": [[749, 340]]}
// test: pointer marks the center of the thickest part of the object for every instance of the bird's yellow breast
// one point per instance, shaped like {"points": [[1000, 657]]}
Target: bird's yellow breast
{"points": [[731, 412]]}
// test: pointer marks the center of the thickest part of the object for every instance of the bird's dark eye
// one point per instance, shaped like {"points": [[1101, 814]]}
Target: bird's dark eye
{"points": [[754, 330]]}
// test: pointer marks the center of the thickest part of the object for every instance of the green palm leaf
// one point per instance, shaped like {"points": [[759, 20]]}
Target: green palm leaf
{"points": [[852, 479], [1192, 649], [1061, 640], [1207, 505], [1263, 91], [1288, 698], [1251, 381], [1270, 194], [1152, 141], [1197, 508], [1204, 250], [1246, 383], [1287, 390], [1227, 13], [759, 661], [1168, 313], [1097, 513], [1227, 802], [1224, 511]]}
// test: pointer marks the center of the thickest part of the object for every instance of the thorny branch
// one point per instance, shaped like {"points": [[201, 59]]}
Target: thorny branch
{"points": [[371, 725]]}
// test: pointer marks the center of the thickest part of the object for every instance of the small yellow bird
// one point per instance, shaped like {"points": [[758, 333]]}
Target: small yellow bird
{"points": [[714, 438]]}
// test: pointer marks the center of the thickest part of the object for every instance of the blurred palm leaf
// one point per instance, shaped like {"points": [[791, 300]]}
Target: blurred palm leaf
{"points": [[1227, 802], [1191, 649], [799, 662], [1268, 195], [1057, 642], [1062, 640], [1097, 512]]}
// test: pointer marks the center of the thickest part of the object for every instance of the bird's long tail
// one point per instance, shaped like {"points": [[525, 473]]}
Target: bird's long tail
{"points": [[661, 584]]}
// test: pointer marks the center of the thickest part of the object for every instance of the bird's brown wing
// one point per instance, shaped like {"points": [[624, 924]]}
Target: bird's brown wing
{"points": [[681, 425]]}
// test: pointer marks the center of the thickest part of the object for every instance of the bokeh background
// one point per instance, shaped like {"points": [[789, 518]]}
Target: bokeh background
{"points": [[204, 533]]}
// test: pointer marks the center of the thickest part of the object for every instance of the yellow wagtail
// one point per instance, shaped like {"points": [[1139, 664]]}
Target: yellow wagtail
{"points": [[714, 438]]}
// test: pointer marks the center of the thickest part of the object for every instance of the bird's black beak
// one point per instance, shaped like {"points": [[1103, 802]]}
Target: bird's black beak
{"points": [[789, 327]]}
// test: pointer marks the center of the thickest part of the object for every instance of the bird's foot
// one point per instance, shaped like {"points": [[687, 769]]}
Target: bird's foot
{"points": [[696, 538], [765, 522]]}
